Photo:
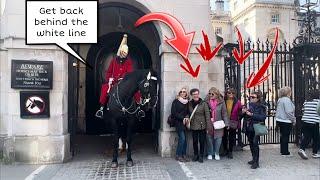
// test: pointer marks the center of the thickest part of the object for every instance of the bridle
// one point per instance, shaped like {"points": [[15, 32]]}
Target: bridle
{"points": [[146, 84]]}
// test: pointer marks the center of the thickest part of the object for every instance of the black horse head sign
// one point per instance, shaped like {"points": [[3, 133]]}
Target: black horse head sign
{"points": [[34, 104]]}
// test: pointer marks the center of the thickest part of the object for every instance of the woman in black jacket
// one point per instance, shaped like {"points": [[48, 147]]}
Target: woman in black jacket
{"points": [[180, 113], [254, 113]]}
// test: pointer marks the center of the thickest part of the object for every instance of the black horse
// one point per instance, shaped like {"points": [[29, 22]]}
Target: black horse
{"points": [[123, 108]]}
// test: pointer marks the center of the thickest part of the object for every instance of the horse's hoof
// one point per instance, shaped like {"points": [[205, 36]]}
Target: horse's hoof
{"points": [[114, 164], [129, 163]]}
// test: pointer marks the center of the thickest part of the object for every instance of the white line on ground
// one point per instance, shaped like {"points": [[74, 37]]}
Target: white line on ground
{"points": [[35, 172], [187, 171]]}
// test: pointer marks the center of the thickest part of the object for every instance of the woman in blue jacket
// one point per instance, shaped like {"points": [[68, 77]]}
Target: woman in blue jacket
{"points": [[254, 112]]}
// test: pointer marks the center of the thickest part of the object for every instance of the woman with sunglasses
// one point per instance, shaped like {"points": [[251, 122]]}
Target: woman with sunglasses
{"points": [[180, 113], [254, 112], [233, 110], [218, 112]]}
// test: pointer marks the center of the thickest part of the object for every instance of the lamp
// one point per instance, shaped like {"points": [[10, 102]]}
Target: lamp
{"points": [[227, 50]]}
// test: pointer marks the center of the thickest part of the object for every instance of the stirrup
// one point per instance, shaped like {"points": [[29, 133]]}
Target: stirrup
{"points": [[99, 114], [141, 114]]}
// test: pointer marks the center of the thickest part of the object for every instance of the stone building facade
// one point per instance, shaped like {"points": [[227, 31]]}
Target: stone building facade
{"points": [[256, 19], [47, 140]]}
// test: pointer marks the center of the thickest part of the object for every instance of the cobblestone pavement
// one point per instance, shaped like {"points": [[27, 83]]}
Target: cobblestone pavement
{"points": [[100, 169], [94, 163], [272, 167]]}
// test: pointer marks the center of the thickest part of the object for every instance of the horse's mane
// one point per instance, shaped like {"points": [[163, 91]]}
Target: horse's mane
{"points": [[136, 74]]}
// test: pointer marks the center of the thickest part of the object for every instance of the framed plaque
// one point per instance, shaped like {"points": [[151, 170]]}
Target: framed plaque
{"points": [[27, 74]]}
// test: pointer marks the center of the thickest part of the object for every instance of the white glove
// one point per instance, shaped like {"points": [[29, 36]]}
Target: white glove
{"points": [[99, 113]]}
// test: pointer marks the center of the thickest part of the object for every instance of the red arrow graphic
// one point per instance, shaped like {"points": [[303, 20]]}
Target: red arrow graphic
{"points": [[205, 50], [182, 41], [256, 79], [189, 68], [240, 56]]}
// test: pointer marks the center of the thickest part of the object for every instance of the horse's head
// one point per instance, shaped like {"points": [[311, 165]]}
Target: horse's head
{"points": [[149, 90]]}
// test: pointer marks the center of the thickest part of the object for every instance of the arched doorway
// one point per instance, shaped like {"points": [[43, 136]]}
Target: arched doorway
{"points": [[115, 19], [100, 56]]}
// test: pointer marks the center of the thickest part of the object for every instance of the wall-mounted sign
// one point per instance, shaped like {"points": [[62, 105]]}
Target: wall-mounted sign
{"points": [[34, 104], [31, 74]]}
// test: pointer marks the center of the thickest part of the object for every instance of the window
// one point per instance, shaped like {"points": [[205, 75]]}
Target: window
{"points": [[246, 21], [235, 4], [218, 30], [275, 18]]}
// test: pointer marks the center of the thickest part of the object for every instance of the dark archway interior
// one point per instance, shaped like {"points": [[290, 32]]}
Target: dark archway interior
{"points": [[115, 19]]}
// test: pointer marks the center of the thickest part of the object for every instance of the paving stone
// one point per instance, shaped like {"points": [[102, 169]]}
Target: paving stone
{"points": [[101, 169], [272, 166]]}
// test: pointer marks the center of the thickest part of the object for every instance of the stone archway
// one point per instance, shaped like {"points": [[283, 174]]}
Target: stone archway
{"points": [[115, 19]]}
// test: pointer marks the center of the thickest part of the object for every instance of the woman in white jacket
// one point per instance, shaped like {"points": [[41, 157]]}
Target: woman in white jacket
{"points": [[285, 118]]}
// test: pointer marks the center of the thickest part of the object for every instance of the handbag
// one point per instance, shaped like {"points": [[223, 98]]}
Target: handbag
{"points": [[171, 121], [219, 124], [233, 124], [260, 129], [188, 124]]}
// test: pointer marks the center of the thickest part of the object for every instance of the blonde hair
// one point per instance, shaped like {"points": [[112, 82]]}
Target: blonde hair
{"points": [[187, 92], [285, 91], [216, 92]]}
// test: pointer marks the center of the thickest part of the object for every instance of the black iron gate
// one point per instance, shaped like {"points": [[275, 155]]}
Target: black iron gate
{"points": [[307, 76], [296, 67]]}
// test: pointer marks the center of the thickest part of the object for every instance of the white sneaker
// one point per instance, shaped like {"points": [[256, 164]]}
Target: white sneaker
{"points": [[316, 155], [209, 157], [217, 157], [302, 154]]}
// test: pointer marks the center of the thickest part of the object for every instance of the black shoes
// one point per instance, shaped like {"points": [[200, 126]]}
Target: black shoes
{"points": [[195, 158], [230, 156], [201, 159], [255, 165]]}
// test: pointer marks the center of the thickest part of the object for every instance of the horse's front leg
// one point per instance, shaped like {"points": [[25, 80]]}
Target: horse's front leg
{"points": [[115, 142], [130, 128]]}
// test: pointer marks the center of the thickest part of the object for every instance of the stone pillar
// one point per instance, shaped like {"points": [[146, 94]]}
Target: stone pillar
{"points": [[35, 140]]}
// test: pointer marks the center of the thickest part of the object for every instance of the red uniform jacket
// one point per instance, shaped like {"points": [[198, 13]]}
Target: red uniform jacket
{"points": [[116, 70]]}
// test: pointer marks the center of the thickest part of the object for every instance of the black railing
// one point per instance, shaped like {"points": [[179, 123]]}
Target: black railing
{"points": [[281, 74]]}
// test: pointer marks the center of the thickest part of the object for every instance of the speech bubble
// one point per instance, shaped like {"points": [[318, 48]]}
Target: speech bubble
{"points": [[61, 23]]}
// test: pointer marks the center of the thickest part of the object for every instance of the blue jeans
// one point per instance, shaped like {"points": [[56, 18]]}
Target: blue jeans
{"points": [[213, 144], [182, 143]]}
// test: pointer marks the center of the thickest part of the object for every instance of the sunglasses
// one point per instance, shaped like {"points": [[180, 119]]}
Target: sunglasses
{"points": [[229, 92], [211, 94], [183, 91]]}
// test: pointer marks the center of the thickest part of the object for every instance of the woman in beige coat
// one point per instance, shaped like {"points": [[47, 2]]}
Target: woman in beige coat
{"points": [[218, 112]]}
